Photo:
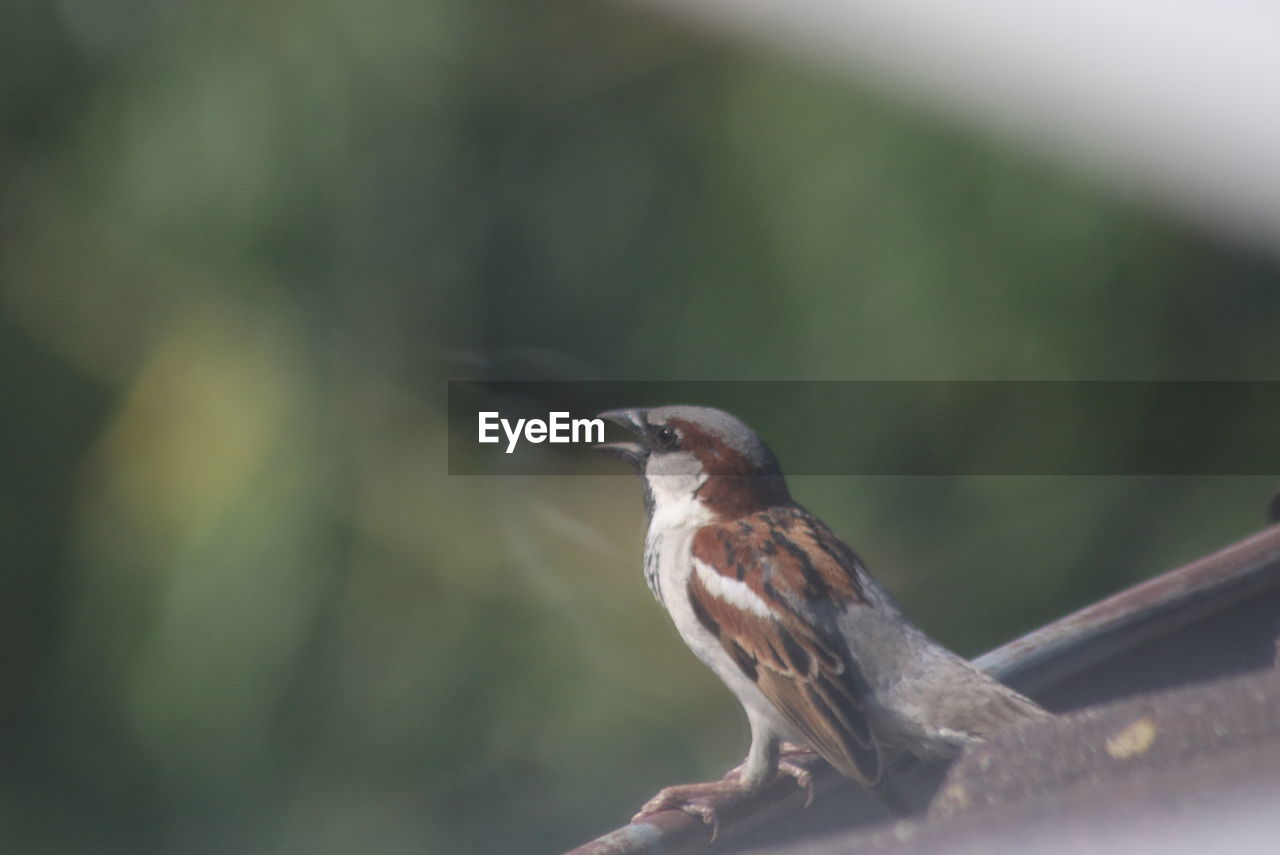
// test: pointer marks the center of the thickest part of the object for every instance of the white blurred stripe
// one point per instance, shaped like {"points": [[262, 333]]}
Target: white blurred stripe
{"points": [[1181, 99]]}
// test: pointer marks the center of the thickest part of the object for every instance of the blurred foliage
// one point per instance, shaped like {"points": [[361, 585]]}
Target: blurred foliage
{"points": [[242, 245]]}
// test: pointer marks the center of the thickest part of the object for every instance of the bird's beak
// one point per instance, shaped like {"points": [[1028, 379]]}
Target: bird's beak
{"points": [[633, 453]]}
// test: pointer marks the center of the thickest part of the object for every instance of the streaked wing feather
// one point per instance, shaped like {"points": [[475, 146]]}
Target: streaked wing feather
{"points": [[808, 677]]}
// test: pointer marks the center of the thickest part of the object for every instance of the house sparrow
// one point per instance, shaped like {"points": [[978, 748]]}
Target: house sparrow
{"points": [[817, 652]]}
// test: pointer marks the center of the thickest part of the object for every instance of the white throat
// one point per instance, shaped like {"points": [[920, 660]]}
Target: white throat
{"points": [[673, 480], [675, 502]]}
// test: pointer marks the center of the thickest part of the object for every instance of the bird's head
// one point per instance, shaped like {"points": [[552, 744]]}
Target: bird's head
{"points": [[701, 458]]}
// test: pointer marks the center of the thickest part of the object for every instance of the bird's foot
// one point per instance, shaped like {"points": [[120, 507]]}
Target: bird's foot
{"points": [[795, 761], [700, 800], [705, 800]]}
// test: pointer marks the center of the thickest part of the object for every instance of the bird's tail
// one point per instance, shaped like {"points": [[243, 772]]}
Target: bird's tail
{"points": [[889, 797]]}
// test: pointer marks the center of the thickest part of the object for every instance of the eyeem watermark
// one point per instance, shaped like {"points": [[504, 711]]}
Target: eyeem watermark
{"points": [[947, 428], [558, 428]]}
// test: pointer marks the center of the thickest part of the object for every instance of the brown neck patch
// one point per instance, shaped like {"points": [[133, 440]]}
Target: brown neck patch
{"points": [[734, 486]]}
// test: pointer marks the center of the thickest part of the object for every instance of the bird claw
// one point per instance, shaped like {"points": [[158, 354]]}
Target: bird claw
{"points": [[693, 799], [704, 801], [789, 764], [803, 778]]}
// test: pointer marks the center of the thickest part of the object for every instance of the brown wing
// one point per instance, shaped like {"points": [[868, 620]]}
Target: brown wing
{"points": [[805, 673]]}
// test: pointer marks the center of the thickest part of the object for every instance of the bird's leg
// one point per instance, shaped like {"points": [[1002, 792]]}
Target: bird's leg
{"points": [[704, 800]]}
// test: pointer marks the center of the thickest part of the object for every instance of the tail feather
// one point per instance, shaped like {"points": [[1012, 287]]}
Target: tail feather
{"points": [[890, 797]]}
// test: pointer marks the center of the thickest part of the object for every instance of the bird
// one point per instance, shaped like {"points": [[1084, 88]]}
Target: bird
{"points": [[820, 655]]}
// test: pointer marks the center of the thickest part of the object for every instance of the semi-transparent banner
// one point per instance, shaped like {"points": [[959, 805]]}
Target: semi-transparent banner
{"points": [[893, 427]]}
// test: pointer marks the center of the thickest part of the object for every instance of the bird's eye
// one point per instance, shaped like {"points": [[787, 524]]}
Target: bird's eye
{"points": [[667, 438]]}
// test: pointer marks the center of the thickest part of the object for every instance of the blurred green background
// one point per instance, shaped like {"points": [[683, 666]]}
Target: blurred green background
{"points": [[243, 245]]}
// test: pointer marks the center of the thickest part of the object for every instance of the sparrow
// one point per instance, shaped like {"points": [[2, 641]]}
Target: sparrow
{"points": [[818, 653]]}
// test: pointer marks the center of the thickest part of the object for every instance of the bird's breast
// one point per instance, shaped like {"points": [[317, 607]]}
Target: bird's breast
{"points": [[668, 565], [668, 560]]}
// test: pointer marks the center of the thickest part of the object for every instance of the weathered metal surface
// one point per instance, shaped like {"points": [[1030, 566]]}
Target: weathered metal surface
{"points": [[1146, 774]]}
